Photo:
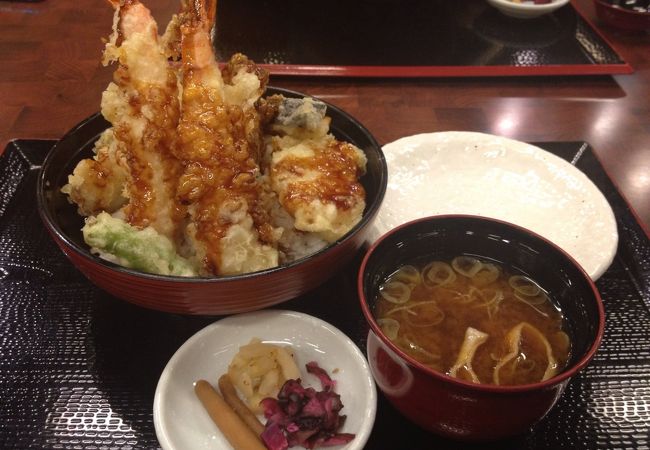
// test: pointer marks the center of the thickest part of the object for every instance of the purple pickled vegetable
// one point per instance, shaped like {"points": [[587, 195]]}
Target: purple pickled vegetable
{"points": [[274, 438], [270, 407], [325, 380], [337, 439], [303, 416], [314, 408]]}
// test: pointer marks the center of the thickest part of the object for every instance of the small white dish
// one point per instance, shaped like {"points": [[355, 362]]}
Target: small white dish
{"points": [[526, 10], [492, 176], [182, 423]]}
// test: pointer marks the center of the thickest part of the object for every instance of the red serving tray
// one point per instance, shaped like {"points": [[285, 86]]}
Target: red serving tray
{"points": [[412, 38]]}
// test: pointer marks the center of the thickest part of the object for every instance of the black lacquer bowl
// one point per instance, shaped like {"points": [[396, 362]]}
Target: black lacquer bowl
{"points": [[203, 296]]}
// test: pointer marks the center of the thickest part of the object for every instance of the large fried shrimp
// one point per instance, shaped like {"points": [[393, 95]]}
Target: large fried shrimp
{"points": [[142, 105], [220, 144]]}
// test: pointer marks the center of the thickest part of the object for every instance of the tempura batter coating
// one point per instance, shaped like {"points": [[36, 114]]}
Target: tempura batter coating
{"points": [[98, 184], [196, 158], [219, 145], [317, 183], [315, 176], [142, 105]]}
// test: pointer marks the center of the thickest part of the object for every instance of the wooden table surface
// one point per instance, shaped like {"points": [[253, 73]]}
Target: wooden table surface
{"points": [[51, 79]]}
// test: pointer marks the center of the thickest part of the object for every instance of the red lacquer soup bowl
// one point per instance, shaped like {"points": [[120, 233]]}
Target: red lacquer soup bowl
{"points": [[621, 17], [204, 296], [450, 406]]}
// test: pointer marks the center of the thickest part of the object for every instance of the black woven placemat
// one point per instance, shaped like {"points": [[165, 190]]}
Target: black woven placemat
{"points": [[78, 368]]}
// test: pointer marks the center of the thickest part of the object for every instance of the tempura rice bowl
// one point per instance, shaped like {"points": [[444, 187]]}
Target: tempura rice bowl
{"points": [[203, 296]]}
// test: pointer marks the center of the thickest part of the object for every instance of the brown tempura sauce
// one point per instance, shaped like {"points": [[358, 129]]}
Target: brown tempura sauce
{"points": [[337, 182], [146, 195], [220, 166]]}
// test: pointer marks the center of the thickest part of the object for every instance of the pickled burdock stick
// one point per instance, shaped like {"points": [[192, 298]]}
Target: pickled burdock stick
{"points": [[230, 396], [233, 428]]}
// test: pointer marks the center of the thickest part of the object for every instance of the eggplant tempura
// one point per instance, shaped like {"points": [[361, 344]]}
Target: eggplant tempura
{"points": [[199, 174]]}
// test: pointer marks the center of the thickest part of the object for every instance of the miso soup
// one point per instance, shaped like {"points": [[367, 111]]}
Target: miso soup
{"points": [[472, 319]]}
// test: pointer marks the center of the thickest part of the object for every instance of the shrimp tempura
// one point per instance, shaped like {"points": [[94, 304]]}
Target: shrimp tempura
{"points": [[220, 146], [142, 105]]}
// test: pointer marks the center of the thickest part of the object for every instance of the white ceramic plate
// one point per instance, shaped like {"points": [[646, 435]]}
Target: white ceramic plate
{"points": [[492, 176], [182, 423], [526, 10]]}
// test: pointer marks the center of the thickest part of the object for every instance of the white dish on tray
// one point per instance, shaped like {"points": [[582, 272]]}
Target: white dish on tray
{"points": [[526, 10], [182, 423], [492, 176]]}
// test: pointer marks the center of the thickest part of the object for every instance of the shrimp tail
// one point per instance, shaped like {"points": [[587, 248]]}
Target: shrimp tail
{"points": [[201, 13], [131, 17], [211, 11]]}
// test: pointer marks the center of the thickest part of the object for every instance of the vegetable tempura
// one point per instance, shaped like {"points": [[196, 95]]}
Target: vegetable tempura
{"points": [[200, 174]]}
